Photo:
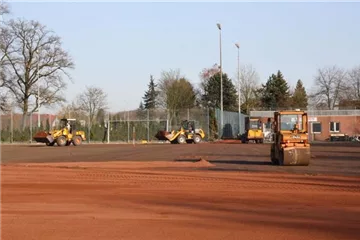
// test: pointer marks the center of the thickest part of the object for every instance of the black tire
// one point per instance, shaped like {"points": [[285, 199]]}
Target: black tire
{"points": [[77, 141], [197, 138], [281, 158], [50, 144], [61, 141], [272, 153], [181, 139]]}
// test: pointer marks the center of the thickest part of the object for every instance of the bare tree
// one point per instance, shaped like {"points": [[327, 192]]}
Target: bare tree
{"points": [[33, 59], [330, 87], [92, 100], [4, 9], [249, 82], [167, 78], [354, 83], [176, 93], [205, 76], [71, 110]]}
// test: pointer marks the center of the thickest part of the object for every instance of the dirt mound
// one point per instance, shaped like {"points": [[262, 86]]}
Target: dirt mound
{"points": [[203, 163]]}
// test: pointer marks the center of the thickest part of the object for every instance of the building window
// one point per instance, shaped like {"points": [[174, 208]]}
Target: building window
{"points": [[316, 127], [334, 127]]}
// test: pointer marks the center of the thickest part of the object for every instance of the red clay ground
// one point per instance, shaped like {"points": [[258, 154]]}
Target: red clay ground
{"points": [[177, 200]]}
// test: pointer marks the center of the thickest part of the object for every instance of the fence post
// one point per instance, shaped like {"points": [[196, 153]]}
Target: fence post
{"points": [[128, 123], [89, 129], [108, 131], [11, 126], [30, 127], [148, 125], [208, 123], [133, 135], [188, 114]]}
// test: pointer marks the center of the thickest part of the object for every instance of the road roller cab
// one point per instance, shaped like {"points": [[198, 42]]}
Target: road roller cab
{"points": [[290, 146]]}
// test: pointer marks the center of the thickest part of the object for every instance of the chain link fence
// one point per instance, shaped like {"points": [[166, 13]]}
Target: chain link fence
{"points": [[143, 125], [126, 126]]}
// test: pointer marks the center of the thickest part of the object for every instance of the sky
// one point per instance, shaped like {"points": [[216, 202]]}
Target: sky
{"points": [[116, 46]]}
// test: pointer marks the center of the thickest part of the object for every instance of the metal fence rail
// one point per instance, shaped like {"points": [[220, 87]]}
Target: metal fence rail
{"points": [[137, 125]]}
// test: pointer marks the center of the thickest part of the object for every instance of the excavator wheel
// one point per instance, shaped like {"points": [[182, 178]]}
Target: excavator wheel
{"points": [[181, 139], [197, 138], [61, 141], [77, 140]]}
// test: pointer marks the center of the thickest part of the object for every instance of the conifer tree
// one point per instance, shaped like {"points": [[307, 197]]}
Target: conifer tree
{"points": [[299, 98], [275, 93], [212, 92], [150, 95]]}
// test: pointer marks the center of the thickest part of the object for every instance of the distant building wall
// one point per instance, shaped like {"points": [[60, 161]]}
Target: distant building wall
{"points": [[231, 124], [322, 123]]}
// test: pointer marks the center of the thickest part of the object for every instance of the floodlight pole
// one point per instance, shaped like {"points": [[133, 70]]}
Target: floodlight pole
{"points": [[221, 83], [239, 89]]}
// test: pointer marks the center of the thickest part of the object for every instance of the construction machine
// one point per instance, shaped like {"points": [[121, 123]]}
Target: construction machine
{"points": [[66, 135], [187, 133], [290, 146], [253, 130]]}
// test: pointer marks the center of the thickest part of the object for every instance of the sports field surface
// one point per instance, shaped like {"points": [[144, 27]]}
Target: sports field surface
{"points": [[190, 191]]}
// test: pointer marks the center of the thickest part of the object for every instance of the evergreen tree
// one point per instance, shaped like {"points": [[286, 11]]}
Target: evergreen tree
{"points": [[212, 92], [150, 95], [299, 98], [141, 111], [275, 93]]}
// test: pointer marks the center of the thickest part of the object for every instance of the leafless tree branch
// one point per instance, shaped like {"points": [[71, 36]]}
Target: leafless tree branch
{"points": [[354, 83], [330, 87], [4, 8], [92, 100], [32, 57], [249, 82]]}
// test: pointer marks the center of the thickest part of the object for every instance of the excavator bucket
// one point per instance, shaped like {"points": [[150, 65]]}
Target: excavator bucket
{"points": [[43, 137], [164, 136], [296, 156]]}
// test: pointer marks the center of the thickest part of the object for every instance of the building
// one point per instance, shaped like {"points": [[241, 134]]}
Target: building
{"points": [[325, 123]]}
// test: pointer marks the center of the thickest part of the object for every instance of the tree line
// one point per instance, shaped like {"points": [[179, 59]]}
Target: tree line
{"points": [[333, 87]]}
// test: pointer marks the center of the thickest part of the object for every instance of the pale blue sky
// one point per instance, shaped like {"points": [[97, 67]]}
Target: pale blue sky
{"points": [[116, 46]]}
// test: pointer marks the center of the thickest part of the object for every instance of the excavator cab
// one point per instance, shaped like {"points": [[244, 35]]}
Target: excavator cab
{"points": [[290, 146]]}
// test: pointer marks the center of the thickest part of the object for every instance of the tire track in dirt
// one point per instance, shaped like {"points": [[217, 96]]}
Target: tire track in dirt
{"points": [[109, 175], [171, 180]]}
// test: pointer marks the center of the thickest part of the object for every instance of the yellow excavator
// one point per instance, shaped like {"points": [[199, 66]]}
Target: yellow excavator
{"points": [[62, 137], [254, 130], [187, 133], [290, 146]]}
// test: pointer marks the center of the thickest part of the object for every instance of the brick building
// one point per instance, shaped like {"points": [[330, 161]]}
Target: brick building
{"points": [[324, 123]]}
